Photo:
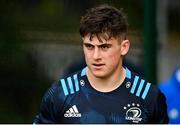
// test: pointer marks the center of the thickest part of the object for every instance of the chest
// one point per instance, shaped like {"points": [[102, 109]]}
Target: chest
{"points": [[93, 108]]}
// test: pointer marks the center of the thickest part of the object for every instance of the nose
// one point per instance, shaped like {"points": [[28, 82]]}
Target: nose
{"points": [[96, 54]]}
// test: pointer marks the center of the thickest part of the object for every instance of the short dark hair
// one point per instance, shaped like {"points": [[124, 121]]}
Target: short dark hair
{"points": [[104, 19]]}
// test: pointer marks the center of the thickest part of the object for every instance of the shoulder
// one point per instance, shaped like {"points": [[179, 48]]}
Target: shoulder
{"points": [[149, 95], [53, 94], [70, 84], [141, 87], [63, 89]]}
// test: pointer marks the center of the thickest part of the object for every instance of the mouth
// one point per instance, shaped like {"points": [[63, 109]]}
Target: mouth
{"points": [[97, 66]]}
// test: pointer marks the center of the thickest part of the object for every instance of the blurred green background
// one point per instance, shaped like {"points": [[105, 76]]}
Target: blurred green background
{"points": [[39, 41]]}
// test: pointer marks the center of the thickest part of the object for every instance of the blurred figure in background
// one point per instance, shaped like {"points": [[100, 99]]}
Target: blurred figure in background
{"points": [[171, 89]]}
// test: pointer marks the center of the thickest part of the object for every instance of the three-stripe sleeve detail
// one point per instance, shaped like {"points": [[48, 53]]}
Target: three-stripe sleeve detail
{"points": [[134, 84], [64, 87], [140, 88], [146, 90], [76, 82], [70, 85]]}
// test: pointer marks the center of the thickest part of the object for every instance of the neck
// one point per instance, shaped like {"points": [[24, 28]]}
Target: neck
{"points": [[108, 83]]}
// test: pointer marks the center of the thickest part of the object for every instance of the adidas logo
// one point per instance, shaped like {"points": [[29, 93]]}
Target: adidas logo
{"points": [[72, 112]]}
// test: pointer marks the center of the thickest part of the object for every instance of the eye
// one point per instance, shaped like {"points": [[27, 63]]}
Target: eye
{"points": [[104, 46], [89, 46]]}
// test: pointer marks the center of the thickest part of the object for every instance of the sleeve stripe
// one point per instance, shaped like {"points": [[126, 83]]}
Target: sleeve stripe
{"points": [[76, 82], [140, 87], [146, 90], [128, 73], [64, 87], [83, 72], [70, 85], [134, 84]]}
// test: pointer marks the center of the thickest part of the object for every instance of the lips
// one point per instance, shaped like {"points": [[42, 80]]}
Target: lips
{"points": [[98, 65]]}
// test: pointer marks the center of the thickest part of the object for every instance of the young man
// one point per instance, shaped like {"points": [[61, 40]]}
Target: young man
{"points": [[104, 91]]}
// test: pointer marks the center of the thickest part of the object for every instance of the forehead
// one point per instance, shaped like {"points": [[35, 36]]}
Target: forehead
{"points": [[99, 39]]}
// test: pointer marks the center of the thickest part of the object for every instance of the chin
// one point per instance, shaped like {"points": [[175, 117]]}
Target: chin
{"points": [[99, 75]]}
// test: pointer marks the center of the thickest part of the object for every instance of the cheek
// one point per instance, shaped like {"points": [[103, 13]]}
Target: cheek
{"points": [[114, 57], [85, 52], [87, 56]]}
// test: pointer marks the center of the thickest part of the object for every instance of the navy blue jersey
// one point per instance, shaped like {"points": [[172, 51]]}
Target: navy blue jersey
{"points": [[74, 100]]}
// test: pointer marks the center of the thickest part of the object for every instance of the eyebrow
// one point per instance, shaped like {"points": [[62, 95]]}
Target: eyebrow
{"points": [[103, 44]]}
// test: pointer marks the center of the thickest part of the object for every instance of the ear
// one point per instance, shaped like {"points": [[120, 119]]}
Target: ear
{"points": [[125, 44]]}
